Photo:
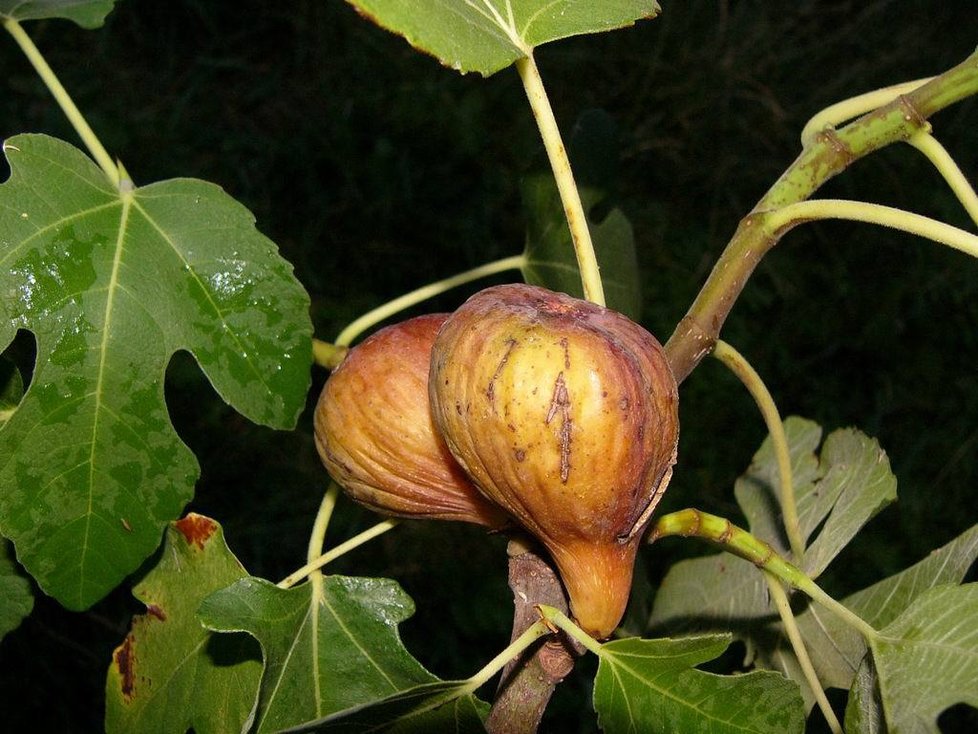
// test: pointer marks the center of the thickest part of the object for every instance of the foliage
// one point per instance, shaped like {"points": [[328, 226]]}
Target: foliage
{"points": [[113, 280]]}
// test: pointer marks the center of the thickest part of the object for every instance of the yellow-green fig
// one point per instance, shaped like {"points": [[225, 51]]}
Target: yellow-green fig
{"points": [[374, 432], [564, 413]]}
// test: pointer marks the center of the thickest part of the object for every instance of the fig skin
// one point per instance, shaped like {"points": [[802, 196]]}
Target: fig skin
{"points": [[564, 413], [374, 432]]}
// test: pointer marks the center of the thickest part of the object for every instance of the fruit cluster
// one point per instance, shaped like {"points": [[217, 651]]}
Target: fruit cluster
{"points": [[524, 408]]}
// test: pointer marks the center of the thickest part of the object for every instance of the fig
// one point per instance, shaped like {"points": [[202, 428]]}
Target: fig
{"points": [[374, 432], [564, 413]]}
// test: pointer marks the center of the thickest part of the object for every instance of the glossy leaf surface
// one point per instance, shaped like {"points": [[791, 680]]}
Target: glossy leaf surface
{"points": [[112, 283], [325, 649]]}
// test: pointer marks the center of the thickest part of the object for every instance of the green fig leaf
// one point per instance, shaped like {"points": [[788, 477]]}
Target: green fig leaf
{"points": [[653, 686], [838, 492], [837, 649], [549, 258], [489, 35], [16, 596], [926, 660], [86, 13], [113, 282], [171, 674], [443, 706], [326, 648]]}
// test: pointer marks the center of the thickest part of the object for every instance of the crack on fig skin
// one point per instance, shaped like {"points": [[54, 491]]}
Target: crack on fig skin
{"points": [[491, 389], [561, 401], [564, 346]]}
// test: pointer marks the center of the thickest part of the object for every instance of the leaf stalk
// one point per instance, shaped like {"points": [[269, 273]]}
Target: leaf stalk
{"points": [[68, 106], [772, 419], [570, 197]]}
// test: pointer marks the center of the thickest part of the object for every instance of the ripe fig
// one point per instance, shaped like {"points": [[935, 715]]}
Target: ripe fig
{"points": [[564, 413], [375, 435]]}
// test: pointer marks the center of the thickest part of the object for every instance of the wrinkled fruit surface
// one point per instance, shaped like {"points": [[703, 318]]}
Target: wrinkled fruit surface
{"points": [[375, 435], [565, 414]]}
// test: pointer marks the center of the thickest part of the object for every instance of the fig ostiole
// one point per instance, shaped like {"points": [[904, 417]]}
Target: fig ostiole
{"points": [[374, 431], [564, 413]]}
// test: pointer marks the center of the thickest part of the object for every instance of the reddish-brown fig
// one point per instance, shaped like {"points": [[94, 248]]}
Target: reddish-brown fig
{"points": [[564, 413], [375, 435]]}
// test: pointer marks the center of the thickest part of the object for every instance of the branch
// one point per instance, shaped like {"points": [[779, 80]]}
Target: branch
{"points": [[529, 681], [826, 154]]}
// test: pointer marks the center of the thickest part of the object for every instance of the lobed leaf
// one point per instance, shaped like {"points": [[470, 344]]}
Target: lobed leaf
{"points": [[171, 674], [489, 35], [112, 283], [926, 660], [837, 649], [86, 13], [324, 650], [651, 686]]}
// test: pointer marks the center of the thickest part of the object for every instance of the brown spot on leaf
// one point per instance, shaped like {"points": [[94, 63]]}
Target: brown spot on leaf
{"points": [[156, 611], [125, 661], [196, 529]]}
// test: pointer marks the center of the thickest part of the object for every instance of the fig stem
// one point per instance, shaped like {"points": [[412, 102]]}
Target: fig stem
{"points": [[385, 311], [781, 603], [696, 523], [570, 197], [528, 682], [530, 635], [326, 355], [792, 215], [343, 548], [941, 160], [737, 364], [112, 170], [564, 623], [827, 152], [317, 538]]}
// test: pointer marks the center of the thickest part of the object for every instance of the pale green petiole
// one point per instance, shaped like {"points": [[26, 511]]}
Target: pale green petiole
{"points": [[927, 144], [781, 603], [853, 107], [791, 215], [537, 630], [61, 96], [343, 548], [694, 523], [419, 295], [570, 197], [560, 620], [762, 396]]}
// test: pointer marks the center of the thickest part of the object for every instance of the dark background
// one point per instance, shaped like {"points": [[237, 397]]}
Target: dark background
{"points": [[376, 170]]}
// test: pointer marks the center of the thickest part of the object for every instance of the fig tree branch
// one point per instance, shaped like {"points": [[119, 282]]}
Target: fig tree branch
{"points": [[827, 153]]}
